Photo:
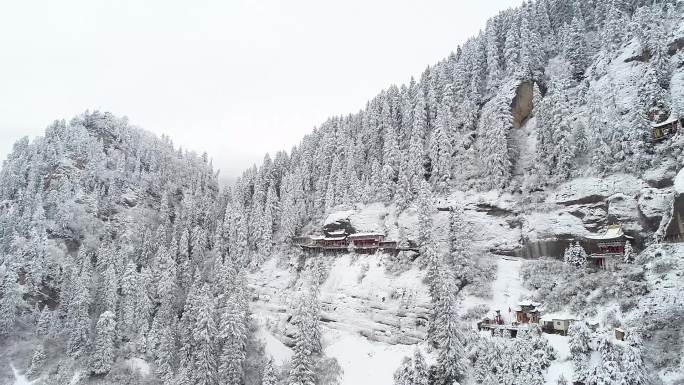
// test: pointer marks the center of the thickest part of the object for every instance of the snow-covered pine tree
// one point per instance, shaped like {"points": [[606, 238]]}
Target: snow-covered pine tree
{"points": [[420, 369], [307, 349], [391, 157], [634, 371], [268, 219], [440, 151], [203, 336], [37, 361], [511, 50], [102, 356], [576, 50], [404, 375], [494, 124], [579, 336], [613, 28], [403, 196], [425, 210], [629, 253], [608, 372], [269, 375], [575, 255], [532, 55], [580, 140], [450, 366], [460, 255], [11, 302], [127, 314], [44, 325], [494, 72], [233, 333], [78, 318], [165, 359], [414, 171], [544, 28], [164, 274], [677, 94], [110, 287], [483, 356]]}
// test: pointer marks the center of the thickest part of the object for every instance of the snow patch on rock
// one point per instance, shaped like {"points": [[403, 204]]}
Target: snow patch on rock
{"points": [[138, 364], [274, 347], [507, 290], [337, 216], [592, 189], [364, 361], [562, 364], [20, 379], [679, 182], [359, 296]]}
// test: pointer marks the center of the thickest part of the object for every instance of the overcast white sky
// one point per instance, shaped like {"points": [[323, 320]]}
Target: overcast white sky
{"points": [[234, 78]]}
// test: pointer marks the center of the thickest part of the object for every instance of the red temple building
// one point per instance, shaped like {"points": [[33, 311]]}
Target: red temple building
{"points": [[666, 129], [527, 312], [341, 242], [366, 240], [610, 247]]}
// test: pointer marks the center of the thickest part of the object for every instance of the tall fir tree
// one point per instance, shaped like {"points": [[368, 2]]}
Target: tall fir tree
{"points": [[102, 357]]}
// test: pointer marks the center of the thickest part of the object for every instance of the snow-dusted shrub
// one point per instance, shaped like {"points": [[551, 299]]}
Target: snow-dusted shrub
{"points": [[560, 285], [629, 253], [320, 268], [476, 312], [575, 255], [483, 274], [122, 373], [328, 371], [413, 371], [399, 263], [37, 361], [663, 266], [496, 360], [611, 319], [363, 270], [535, 274]]}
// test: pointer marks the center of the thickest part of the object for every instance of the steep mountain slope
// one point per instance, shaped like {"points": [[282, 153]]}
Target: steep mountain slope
{"points": [[490, 117], [122, 262], [112, 263], [540, 127]]}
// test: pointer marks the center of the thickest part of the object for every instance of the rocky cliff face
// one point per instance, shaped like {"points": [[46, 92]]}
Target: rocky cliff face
{"points": [[675, 225], [521, 106], [360, 295]]}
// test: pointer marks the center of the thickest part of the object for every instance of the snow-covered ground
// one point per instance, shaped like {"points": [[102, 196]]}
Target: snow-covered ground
{"points": [[20, 379], [274, 347], [679, 182], [140, 365], [364, 361], [562, 364], [507, 289]]}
